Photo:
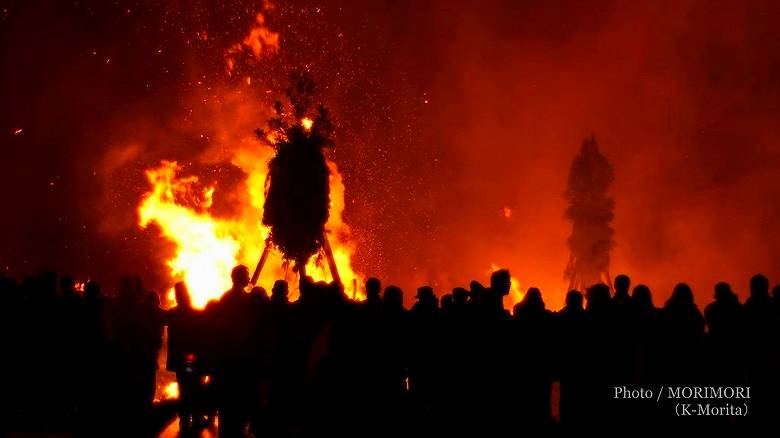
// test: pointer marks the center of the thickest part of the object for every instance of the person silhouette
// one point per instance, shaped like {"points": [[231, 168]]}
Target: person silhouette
{"points": [[373, 290], [534, 329], [683, 329], [279, 293], [71, 331], [233, 326], [493, 305], [570, 353], [459, 297], [644, 323], [476, 293], [623, 337], [724, 318], [427, 304], [761, 332], [184, 356], [622, 286], [424, 364], [599, 332]]}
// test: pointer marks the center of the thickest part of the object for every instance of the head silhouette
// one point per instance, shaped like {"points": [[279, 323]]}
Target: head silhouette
{"points": [[426, 300], [152, 299], [67, 284], [182, 295], [373, 288], [240, 277], [393, 298], [258, 293], [477, 290], [574, 300], [425, 294], [642, 297], [279, 291], [759, 287], [459, 296], [533, 299], [598, 297], [500, 282], [682, 295], [91, 292], [723, 292], [622, 284]]}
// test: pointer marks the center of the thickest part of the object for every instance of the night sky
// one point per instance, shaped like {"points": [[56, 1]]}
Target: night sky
{"points": [[448, 113]]}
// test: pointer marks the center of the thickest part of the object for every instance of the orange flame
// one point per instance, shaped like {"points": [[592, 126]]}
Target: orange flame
{"points": [[171, 391], [260, 41], [207, 248]]}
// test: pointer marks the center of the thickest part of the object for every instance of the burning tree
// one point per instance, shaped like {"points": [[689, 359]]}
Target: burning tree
{"points": [[297, 187], [591, 212]]}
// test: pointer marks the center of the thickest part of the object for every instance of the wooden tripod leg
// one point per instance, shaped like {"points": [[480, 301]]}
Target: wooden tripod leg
{"points": [[259, 268], [334, 271]]}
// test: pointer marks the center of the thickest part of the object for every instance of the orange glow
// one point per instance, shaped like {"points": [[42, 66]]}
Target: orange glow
{"points": [[207, 248], [307, 123], [171, 391], [260, 41], [507, 213]]}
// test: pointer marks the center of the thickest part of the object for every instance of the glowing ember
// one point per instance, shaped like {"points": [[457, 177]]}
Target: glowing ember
{"points": [[171, 391], [307, 123]]}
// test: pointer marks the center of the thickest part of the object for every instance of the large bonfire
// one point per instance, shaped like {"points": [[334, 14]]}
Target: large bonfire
{"points": [[207, 244]]}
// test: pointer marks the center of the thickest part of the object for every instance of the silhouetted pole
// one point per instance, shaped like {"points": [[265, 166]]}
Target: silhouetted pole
{"points": [[334, 271], [260, 264]]}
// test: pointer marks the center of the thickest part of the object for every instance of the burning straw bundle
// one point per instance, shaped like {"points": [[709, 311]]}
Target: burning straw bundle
{"points": [[297, 189]]}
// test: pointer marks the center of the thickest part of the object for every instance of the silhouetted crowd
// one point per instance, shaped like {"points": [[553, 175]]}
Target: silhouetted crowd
{"points": [[324, 365]]}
